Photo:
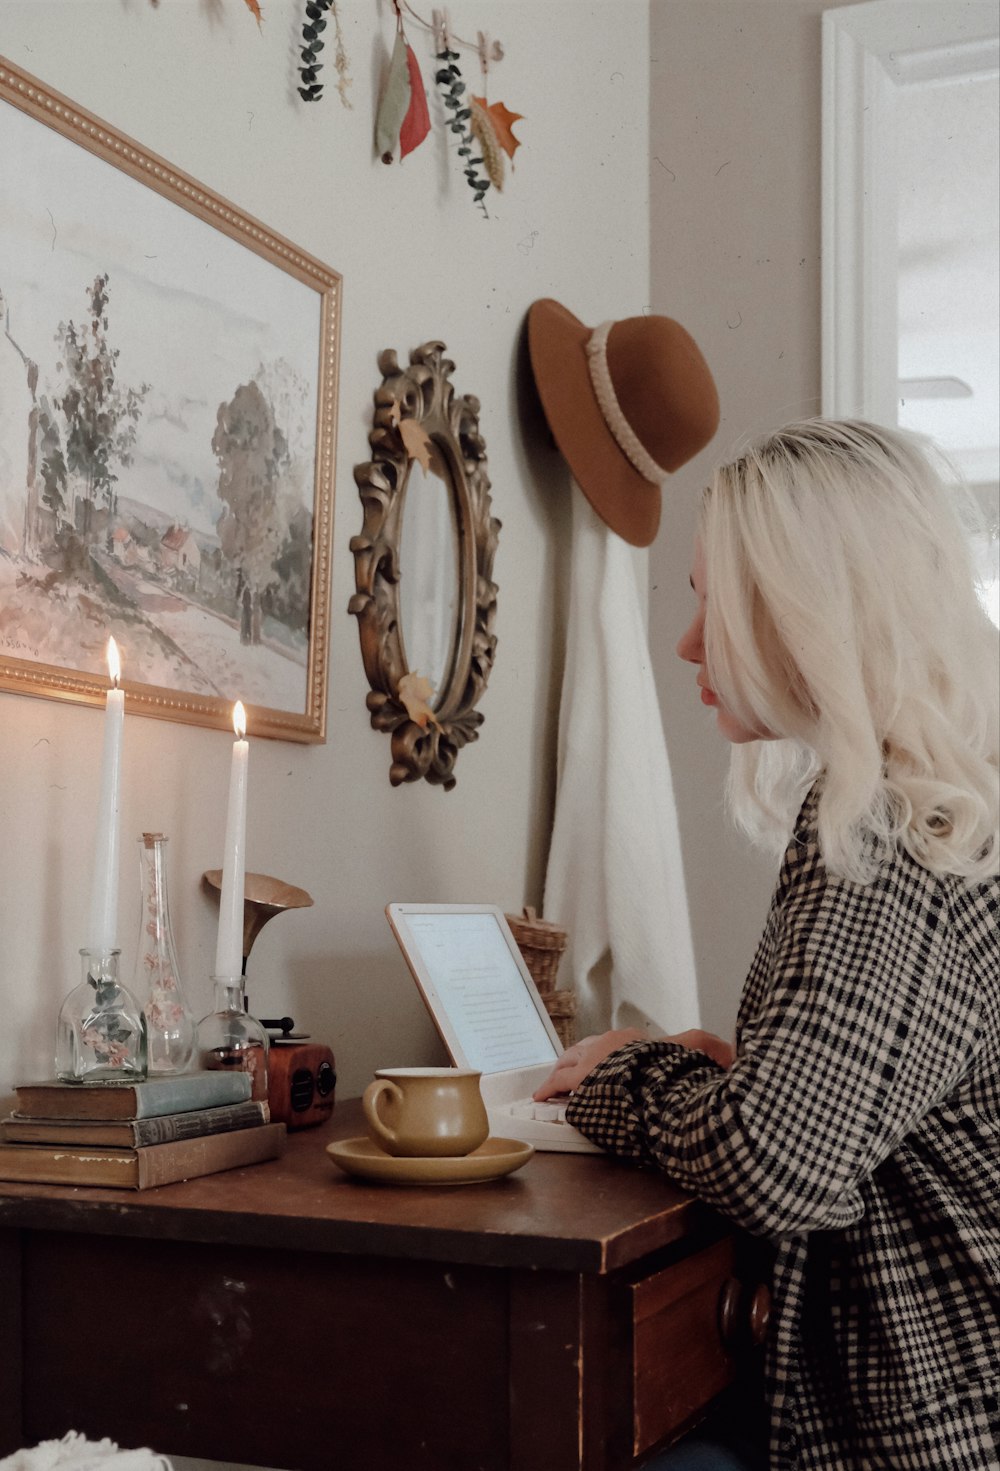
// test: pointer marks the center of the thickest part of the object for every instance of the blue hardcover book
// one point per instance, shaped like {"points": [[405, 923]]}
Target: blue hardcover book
{"points": [[178, 1094]]}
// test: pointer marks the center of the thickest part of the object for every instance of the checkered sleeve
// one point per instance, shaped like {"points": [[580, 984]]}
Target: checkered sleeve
{"points": [[865, 1015]]}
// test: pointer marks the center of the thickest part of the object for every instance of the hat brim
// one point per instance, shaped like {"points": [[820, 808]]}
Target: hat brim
{"points": [[623, 498]]}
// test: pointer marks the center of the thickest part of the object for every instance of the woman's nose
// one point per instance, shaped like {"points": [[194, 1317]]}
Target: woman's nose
{"points": [[689, 645]]}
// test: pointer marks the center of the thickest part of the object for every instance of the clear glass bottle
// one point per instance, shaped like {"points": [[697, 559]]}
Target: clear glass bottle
{"points": [[230, 1039], [101, 1031], [170, 1024]]}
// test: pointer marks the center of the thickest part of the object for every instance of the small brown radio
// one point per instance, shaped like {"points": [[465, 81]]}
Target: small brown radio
{"points": [[302, 1078]]}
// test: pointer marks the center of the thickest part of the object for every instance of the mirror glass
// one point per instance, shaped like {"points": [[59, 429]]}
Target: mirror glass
{"points": [[429, 575]]}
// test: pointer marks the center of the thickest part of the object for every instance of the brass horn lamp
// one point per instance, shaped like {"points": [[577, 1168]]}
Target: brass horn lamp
{"points": [[263, 898]]}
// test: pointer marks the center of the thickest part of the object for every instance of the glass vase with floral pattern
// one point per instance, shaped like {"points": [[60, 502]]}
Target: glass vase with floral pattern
{"points": [[170, 1024]]}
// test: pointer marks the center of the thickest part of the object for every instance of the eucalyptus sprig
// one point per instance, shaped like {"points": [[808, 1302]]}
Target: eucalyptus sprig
{"points": [[310, 67], [449, 80]]}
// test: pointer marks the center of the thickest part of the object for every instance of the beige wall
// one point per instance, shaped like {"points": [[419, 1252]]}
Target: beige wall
{"points": [[707, 126], [198, 83], [735, 256]]}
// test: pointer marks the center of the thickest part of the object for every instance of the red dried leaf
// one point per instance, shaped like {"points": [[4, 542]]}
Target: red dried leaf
{"points": [[417, 122], [254, 8]]}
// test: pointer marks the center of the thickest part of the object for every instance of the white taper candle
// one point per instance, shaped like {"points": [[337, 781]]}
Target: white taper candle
{"points": [[102, 930], [229, 949]]}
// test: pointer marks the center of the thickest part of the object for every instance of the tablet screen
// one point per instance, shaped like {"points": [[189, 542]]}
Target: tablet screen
{"points": [[479, 989]]}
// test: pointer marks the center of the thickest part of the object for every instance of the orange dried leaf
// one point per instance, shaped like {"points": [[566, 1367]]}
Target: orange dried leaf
{"points": [[414, 691], [503, 120], [254, 9]]}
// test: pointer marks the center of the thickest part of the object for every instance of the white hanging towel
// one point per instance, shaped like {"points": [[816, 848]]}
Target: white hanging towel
{"points": [[615, 879]]}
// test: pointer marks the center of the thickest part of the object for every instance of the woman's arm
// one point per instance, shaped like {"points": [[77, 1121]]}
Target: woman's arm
{"points": [[868, 1018], [580, 1059]]}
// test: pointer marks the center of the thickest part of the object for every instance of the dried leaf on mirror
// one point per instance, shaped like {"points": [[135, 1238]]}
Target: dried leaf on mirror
{"points": [[415, 693], [418, 443]]}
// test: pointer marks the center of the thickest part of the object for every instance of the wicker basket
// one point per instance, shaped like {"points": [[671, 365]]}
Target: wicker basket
{"points": [[561, 1007], [542, 944]]}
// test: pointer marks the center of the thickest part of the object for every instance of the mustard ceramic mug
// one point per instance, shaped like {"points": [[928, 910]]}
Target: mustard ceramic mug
{"points": [[421, 1111]]}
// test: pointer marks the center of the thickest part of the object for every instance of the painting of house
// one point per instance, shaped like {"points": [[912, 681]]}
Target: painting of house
{"points": [[180, 552]]}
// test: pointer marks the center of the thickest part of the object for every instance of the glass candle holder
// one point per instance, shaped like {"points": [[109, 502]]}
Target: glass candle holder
{"points": [[230, 1039], [101, 1031], [170, 1025]]}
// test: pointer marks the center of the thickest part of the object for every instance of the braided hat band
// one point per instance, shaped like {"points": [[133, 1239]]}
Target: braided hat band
{"points": [[625, 436]]}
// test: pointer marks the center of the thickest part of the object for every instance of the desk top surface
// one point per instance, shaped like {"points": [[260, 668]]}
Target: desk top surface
{"points": [[569, 1212]]}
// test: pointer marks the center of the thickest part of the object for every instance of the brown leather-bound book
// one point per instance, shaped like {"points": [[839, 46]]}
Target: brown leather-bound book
{"points": [[143, 1168], [20, 1128]]}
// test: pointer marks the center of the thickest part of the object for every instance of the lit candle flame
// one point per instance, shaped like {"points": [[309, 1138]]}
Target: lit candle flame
{"points": [[239, 720], [114, 663]]}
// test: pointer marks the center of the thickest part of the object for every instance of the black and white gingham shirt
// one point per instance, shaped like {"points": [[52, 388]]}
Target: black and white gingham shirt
{"points": [[859, 1130]]}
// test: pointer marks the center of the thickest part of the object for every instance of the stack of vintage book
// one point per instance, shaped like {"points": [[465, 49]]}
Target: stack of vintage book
{"points": [[136, 1135]]}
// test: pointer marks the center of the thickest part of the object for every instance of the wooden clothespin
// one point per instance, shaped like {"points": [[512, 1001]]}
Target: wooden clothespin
{"points": [[442, 33]]}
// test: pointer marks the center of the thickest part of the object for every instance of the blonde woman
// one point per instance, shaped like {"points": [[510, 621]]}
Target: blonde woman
{"points": [[840, 642]]}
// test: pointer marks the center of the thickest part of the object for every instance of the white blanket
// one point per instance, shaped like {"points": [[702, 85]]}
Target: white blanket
{"points": [[615, 880], [76, 1453]]}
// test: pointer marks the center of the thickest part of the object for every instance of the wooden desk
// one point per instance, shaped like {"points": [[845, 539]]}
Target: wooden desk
{"points": [[563, 1319]]}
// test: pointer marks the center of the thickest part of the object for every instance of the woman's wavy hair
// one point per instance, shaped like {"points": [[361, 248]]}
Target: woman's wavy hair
{"points": [[842, 615]]}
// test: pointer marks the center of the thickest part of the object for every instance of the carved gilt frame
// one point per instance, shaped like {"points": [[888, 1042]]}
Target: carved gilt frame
{"points": [[423, 392]]}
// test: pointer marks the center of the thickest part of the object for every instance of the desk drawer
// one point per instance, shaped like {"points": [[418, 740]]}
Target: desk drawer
{"points": [[679, 1359]]}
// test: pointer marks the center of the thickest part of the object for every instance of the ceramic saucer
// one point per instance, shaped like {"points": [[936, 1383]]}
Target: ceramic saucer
{"points": [[492, 1160]]}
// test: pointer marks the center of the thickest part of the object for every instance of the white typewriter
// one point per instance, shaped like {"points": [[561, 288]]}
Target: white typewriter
{"points": [[488, 1012]]}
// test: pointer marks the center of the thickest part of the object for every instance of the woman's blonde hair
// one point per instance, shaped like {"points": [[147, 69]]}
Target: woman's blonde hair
{"points": [[842, 616]]}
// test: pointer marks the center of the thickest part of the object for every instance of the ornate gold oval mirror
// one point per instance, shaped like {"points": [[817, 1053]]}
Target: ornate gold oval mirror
{"points": [[425, 600]]}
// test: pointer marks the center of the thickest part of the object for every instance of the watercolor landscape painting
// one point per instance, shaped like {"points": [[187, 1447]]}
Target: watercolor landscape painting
{"points": [[166, 422]]}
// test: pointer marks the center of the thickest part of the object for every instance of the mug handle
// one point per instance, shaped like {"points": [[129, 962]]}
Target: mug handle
{"points": [[369, 1103]]}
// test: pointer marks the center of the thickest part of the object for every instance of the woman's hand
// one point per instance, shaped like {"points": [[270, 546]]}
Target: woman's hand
{"points": [[580, 1059], [724, 1053]]}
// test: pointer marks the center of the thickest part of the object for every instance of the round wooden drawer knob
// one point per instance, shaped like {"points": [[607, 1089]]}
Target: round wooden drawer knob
{"points": [[729, 1304], [760, 1313]]}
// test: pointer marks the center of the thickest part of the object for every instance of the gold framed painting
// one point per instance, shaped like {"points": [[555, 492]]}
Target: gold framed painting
{"points": [[168, 389]]}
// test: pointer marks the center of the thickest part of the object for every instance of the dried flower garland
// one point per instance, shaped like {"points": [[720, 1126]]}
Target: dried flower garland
{"points": [[483, 130]]}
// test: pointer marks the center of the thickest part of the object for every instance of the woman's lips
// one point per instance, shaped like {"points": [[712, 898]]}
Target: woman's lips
{"points": [[708, 696]]}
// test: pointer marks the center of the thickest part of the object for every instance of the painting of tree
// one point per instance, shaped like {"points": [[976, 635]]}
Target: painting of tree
{"points": [[167, 413], [253, 454], [100, 412]]}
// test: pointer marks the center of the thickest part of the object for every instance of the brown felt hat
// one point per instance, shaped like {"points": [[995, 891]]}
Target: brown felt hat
{"points": [[658, 406]]}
